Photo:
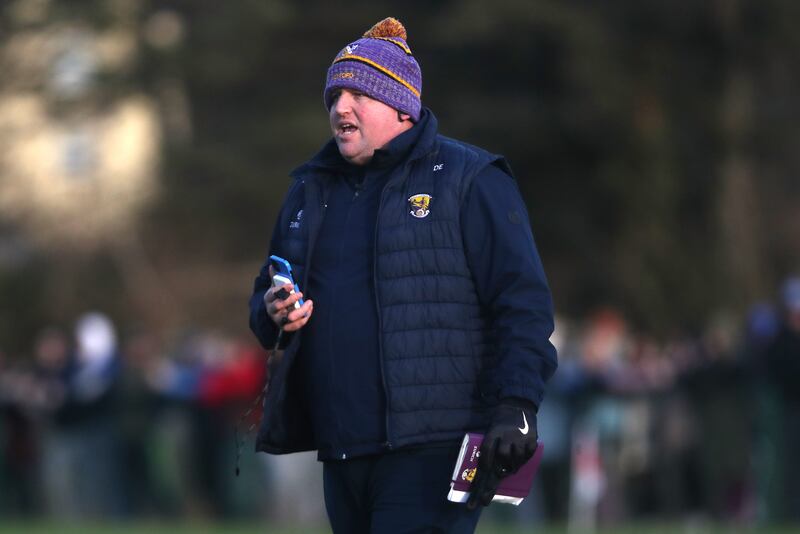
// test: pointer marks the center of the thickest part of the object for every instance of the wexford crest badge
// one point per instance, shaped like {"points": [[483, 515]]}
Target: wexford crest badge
{"points": [[469, 474], [420, 205]]}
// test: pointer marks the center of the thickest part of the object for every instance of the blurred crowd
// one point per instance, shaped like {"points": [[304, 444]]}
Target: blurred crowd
{"points": [[90, 428], [699, 425]]}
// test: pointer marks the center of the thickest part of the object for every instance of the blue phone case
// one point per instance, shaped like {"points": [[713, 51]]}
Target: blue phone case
{"points": [[284, 268]]}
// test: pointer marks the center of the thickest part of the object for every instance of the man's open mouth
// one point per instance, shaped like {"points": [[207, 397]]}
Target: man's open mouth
{"points": [[347, 128]]}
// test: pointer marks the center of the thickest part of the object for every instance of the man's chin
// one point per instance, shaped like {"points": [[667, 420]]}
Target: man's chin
{"points": [[354, 158]]}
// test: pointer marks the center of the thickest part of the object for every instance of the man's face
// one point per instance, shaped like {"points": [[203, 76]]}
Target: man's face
{"points": [[361, 125]]}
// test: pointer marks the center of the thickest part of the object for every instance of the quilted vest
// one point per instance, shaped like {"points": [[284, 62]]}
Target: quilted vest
{"points": [[435, 336], [435, 340]]}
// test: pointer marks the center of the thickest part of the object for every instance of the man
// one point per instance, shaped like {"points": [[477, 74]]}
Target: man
{"points": [[426, 315]]}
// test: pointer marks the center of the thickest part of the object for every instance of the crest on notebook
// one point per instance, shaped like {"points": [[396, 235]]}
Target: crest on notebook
{"points": [[469, 474], [420, 205]]}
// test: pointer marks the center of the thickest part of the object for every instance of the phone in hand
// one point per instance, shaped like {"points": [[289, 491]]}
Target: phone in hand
{"points": [[283, 276]]}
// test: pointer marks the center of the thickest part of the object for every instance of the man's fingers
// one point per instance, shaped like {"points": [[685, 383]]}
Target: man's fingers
{"points": [[530, 449], [520, 455], [302, 311], [479, 482], [278, 292], [275, 303], [298, 318], [483, 489], [488, 451], [288, 302], [484, 474], [489, 489], [476, 489], [297, 325], [504, 454]]}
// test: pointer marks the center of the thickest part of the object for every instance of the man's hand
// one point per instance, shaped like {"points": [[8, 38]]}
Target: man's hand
{"points": [[280, 307], [509, 443]]}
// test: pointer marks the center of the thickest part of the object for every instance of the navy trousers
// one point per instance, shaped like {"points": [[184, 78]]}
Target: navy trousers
{"points": [[401, 492]]}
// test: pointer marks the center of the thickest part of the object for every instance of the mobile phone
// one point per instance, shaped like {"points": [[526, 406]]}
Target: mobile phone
{"points": [[283, 276]]}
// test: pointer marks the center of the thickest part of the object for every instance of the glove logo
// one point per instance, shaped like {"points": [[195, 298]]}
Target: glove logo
{"points": [[524, 429]]}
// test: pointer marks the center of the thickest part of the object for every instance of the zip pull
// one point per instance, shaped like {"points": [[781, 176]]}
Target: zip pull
{"points": [[359, 187]]}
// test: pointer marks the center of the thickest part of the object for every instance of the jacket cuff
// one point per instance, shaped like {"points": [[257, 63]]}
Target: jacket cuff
{"points": [[521, 403]]}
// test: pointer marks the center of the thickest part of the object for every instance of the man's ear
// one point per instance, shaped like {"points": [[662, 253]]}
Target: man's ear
{"points": [[402, 117]]}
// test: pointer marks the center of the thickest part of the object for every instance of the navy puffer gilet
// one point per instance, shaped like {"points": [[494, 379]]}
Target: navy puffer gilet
{"points": [[435, 339]]}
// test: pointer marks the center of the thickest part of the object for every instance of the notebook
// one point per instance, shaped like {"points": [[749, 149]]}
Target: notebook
{"points": [[512, 489]]}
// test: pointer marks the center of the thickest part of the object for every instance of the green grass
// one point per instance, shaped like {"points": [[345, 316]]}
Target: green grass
{"points": [[142, 527]]}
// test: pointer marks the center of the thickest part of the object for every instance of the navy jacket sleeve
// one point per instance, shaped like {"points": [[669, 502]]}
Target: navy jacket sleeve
{"points": [[510, 281], [262, 326]]}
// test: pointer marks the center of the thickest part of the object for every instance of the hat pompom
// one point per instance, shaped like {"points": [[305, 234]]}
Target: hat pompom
{"points": [[388, 27]]}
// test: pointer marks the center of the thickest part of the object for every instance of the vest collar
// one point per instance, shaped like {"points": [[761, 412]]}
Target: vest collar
{"points": [[419, 140]]}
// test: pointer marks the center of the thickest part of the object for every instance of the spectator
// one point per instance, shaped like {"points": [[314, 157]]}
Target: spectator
{"points": [[783, 372], [81, 448]]}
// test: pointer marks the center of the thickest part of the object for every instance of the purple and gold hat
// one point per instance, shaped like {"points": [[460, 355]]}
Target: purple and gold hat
{"points": [[380, 65]]}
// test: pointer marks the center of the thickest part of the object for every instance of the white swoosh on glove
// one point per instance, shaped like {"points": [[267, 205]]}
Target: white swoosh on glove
{"points": [[524, 429]]}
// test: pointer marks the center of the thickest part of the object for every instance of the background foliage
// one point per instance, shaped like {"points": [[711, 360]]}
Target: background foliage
{"points": [[654, 143]]}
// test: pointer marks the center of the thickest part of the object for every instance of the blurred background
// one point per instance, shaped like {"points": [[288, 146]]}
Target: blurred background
{"points": [[144, 152]]}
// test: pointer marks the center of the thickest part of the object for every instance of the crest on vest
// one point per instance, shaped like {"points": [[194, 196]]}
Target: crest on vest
{"points": [[420, 205]]}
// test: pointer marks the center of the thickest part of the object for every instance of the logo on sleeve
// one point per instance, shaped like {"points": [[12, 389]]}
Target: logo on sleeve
{"points": [[295, 224], [420, 205]]}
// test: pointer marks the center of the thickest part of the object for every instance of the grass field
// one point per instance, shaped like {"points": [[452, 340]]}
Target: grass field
{"points": [[257, 528]]}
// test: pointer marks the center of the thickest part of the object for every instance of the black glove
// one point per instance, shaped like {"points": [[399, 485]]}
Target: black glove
{"points": [[508, 444]]}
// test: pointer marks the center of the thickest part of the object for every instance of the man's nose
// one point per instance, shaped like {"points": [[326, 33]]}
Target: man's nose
{"points": [[343, 103]]}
